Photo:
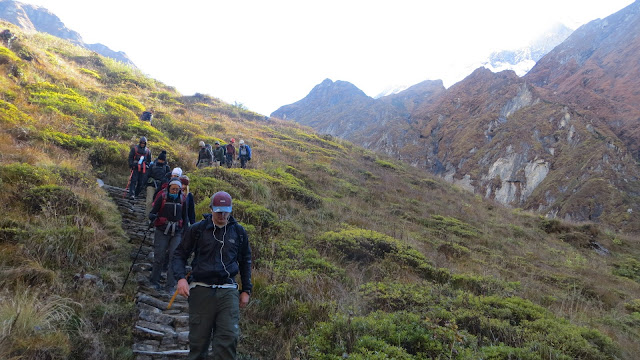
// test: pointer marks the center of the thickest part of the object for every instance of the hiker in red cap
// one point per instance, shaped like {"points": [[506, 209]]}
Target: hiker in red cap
{"points": [[231, 153], [222, 250]]}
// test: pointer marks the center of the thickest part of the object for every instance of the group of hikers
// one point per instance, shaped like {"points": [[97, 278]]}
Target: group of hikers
{"points": [[220, 246], [221, 155]]}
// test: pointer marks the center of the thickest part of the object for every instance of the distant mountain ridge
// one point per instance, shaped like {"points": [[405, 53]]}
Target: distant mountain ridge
{"points": [[35, 18], [562, 140], [341, 109]]}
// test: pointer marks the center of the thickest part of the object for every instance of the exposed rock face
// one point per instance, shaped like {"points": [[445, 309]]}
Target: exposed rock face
{"points": [[35, 18], [562, 140], [596, 71]]}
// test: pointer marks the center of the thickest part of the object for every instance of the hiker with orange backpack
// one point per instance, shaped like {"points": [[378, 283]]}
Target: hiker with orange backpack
{"points": [[139, 159], [169, 216]]}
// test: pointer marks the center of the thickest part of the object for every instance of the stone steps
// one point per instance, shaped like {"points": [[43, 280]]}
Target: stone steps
{"points": [[159, 333]]}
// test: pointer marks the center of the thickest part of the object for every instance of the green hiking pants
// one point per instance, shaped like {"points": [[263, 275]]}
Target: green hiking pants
{"points": [[217, 312]]}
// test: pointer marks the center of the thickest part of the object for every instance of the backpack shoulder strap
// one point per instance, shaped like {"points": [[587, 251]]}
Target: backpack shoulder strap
{"points": [[242, 233], [198, 229], [164, 201]]}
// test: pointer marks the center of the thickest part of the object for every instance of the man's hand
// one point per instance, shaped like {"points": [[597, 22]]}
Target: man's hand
{"points": [[183, 288], [244, 299]]}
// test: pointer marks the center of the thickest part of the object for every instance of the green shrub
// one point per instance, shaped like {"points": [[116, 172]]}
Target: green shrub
{"points": [[483, 285], [11, 116], [123, 74], [114, 120], [451, 225], [129, 102], [551, 226], [381, 335], [57, 199], [91, 73], [368, 245], [25, 175], [387, 164], [293, 254], [398, 296], [633, 305], [535, 352], [453, 250], [254, 214], [66, 100], [203, 186], [575, 341], [629, 268], [101, 151], [7, 56]]}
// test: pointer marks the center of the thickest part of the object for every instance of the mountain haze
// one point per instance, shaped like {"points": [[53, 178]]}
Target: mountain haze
{"points": [[562, 140], [523, 59]]}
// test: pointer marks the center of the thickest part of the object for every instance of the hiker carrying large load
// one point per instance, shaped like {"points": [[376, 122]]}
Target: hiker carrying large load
{"points": [[205, 156], [219, 154], [169, 216], [139, 160], [147, 116], [231, 153], [222, 250], [244, 154], [7, 37], [159, 172]]}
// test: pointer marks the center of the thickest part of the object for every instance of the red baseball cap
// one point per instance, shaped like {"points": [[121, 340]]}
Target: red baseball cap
{"points": [[221, 202]]}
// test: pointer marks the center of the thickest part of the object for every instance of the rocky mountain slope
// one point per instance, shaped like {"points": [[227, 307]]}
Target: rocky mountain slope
{"points": [[35, 18], [596, 71], [562, 140], [341, 109]]}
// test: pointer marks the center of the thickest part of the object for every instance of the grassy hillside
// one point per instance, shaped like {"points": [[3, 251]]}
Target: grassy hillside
{"points": [[355, 256]]}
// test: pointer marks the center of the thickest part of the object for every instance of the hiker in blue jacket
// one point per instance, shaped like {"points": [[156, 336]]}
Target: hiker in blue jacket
{"points": [[244, 154]]}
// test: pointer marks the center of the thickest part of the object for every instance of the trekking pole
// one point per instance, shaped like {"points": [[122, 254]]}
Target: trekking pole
{"points": [[128, 183], [137, 254], [173, 298]]}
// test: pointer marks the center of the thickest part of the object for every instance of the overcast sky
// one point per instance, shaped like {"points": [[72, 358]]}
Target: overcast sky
{"points": [[265, 54]]}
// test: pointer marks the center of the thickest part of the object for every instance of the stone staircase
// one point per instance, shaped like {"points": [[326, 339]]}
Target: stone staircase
{"points": [[159, 333]]}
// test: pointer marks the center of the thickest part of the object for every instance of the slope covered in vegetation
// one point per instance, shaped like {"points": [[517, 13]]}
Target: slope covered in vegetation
{"points": [[354, 255]]}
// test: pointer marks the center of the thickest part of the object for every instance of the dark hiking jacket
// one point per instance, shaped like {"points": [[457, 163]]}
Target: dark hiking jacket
{"points": [[219, 153], [134, 156], [158, 174], [166, 212], [214, 247]]}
